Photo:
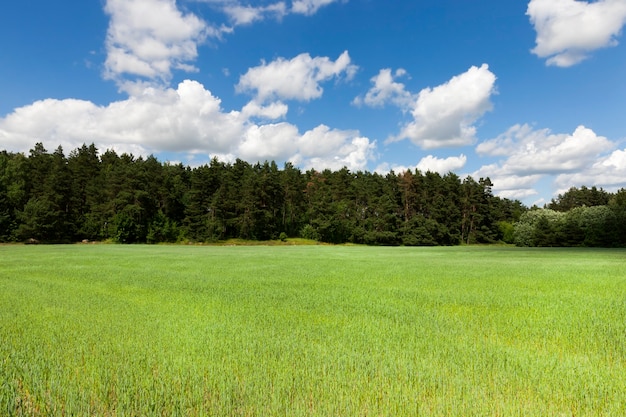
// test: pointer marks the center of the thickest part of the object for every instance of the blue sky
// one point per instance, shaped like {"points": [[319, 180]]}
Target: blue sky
{"points": [[529, 93]]}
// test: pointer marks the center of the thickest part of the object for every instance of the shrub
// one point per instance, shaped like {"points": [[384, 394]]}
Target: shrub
{"points": [[309, 232]]}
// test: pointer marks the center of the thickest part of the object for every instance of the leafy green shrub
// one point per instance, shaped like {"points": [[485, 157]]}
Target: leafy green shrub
{"points": [[309, 232], [507, 231]]}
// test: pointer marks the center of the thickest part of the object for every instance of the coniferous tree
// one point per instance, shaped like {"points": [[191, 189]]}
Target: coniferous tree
{"points": [[579, 197], [49, 197], [46, 214], [293, 205], [13, 192], [617, 203], [204, 213], [84, 167], [450, 213]]}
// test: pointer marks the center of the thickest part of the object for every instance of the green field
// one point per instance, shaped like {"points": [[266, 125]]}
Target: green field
{"points": [[311, 331]]}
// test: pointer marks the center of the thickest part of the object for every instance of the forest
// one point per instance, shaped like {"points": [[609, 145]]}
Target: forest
{"points": [[49, 197]]}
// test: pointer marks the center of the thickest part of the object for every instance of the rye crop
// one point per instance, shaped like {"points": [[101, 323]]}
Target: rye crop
{"points": [[117, 330]]}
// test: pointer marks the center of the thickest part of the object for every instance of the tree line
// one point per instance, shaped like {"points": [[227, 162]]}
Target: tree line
{"points": [[50, 197], [579, 217]]}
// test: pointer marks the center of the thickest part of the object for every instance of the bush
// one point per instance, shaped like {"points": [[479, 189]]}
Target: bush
{"points": [[507, 232], [309, 232]]}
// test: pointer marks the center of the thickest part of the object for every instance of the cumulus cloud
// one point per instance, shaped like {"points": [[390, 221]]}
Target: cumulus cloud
{"points": [[324, 140], [188, 119], [568, 30], [428, 163], [146, 41], [441, 165], [446, 115], [271, 141], [150, 38], [244, 15], [295, 79], [531, 151], [530, 155], [325, 148], [42, 120], [272, 111], [319, 148], [508, 185], [386, 90], [608, 172]]}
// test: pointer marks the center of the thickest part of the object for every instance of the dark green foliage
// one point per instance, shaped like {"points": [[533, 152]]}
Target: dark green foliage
{"points": [[580, 197], [507, 231], [595, 226], [617, 203], [12, 192], [38, 220], [46, 216], [293, 206], [53, 198], [163, 229], [309, 232], [202, 219]]}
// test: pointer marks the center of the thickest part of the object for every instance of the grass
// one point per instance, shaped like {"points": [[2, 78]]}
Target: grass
{"points": [[311, 331]]}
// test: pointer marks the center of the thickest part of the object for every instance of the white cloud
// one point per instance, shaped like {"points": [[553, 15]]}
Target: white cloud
{"points": [[323, 140], [386, 90], [323, 147], [319, 148], [272, 111], [530, 155], [309, 7], [146, 41], [428, 163], [617, 160], [187, 120], [608, 172], [508, 185], [446, 115], [150, 38], [40, 122], [244, 15], [518, 194], [531, 151], [568, 30], [441, 165], [385, 167], [516, 137], [268, 142], [295, 79]]}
